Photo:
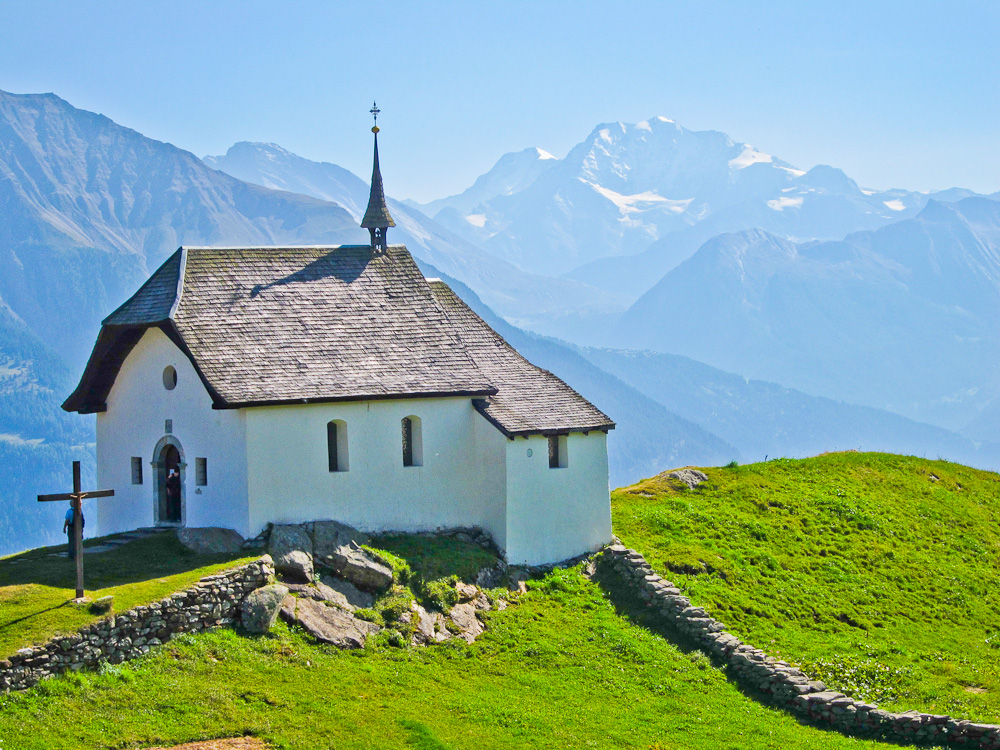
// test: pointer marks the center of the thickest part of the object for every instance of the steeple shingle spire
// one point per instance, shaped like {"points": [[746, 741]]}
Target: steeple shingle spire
{"points": [[377, 218]]}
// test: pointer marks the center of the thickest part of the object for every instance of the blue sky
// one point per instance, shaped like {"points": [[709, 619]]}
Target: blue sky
{"points": [[898, 94]]}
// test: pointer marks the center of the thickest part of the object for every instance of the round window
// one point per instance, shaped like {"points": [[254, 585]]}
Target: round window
{"points": [[169, 378]]}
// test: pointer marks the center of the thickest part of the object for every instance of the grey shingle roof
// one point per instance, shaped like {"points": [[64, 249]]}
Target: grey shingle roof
{"points": [[154, 300], [271, 325], [287, 325], [529, 400]]}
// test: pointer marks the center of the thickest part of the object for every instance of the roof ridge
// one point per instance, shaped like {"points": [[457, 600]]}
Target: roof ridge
{"points": [[180, 283]]}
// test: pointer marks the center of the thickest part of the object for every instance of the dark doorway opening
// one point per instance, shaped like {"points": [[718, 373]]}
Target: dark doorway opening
{"points": [[170, 485]]}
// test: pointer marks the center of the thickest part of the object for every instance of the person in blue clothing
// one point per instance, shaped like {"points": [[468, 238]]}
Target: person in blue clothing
{"points": [[68, 529]]}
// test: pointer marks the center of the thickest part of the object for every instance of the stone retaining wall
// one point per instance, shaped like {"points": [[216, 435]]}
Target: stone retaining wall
{"points": [[211, 603], [783, 684]]}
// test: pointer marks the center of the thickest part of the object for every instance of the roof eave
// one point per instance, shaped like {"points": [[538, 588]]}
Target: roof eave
{"points": [[359, 397], [482, 405]]}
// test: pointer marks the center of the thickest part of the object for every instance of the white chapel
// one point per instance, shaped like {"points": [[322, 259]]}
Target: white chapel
{"points": [[291, 384]]}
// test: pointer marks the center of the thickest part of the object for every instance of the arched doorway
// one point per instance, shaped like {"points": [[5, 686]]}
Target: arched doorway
{"points": [[169, 465]]}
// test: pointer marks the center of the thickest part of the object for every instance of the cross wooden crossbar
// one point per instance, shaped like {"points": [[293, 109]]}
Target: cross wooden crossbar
{"points": [[76, 497]]}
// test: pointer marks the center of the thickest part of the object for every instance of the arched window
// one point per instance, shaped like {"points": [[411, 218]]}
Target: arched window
{"points": [[413, 444], [336, 444]]}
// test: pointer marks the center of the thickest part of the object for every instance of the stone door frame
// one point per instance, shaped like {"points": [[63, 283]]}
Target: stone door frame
{"points": [[160, 479]]}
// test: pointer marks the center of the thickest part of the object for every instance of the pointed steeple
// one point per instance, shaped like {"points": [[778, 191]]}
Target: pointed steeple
{"points": [[377, 218]]}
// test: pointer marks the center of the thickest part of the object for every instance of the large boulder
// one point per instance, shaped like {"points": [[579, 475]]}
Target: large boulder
{"points": [[295, 566], [287, 538], [210, 540], [292, 550], [328, 624], [330, 536], [356, 598], [360, 567], [321, 593], [260, 608]]}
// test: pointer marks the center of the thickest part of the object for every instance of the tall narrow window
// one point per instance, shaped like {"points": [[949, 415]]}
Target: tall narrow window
{"points": [[136, 470], [201, 472], [558, 458], [413, 448], [336, 445]]}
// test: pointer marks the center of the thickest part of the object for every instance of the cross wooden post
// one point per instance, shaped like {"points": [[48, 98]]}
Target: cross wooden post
{"points": [[77, 496]]}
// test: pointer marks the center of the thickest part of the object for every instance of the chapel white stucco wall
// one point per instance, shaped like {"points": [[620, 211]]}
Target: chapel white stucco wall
{"points": [[459, 484], [556, 514], [133, 425]]}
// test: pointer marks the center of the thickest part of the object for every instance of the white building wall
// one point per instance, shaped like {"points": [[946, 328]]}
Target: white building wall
{"points": [[459, 484], [138, 407], [556, 514]]}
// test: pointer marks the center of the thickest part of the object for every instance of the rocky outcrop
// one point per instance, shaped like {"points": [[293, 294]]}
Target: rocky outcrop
{"points": [[330, 536], [259, 610], [326, 623], [782, 683], [356, 598], [292, 550], [691, 477], [360, 567], [210, 540], [295, 566]]}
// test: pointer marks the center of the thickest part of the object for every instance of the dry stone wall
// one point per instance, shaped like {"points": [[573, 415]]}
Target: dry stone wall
{"points": [[211, 603], [782, 683]]}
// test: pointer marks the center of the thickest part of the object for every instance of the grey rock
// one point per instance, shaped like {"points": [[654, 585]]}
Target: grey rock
{"points": [[466, 592], [360, 567], [464, 618], [287, 538], [691, 477], [210, 540], [356, 598], [321, 593], [429, 627], [260, 609], [327, 624], [330, 536], [295, 565]]}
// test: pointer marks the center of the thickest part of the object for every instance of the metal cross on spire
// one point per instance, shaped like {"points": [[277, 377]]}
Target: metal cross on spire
{"points": [[377, 218]]}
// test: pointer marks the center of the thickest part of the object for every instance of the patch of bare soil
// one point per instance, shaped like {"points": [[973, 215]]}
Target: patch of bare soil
{"points": [[233, 743]]}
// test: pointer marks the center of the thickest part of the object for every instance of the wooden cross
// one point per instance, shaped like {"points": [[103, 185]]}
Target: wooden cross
{"points": [[77, 496]]}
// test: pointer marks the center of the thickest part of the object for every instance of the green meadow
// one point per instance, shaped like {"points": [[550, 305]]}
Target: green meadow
{"points": [[876, 573]]}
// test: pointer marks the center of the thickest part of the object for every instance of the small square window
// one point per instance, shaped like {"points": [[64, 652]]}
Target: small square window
{"points": [[136, 470], [201, 472]]}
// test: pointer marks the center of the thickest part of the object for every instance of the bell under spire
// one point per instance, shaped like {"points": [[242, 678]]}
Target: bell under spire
{"points": [[377, 218]]}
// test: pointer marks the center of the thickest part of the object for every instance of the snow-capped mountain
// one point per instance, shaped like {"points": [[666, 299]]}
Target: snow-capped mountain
{"points": [[904, 318], [632, 201], [511, 174], [520, 296]]}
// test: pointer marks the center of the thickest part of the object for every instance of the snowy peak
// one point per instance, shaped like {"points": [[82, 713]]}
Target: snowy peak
{"points": [[512, 173]]}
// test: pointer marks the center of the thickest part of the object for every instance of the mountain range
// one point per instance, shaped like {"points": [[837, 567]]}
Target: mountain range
{"points": [[88, 208], [631, 201], [904, 318]]}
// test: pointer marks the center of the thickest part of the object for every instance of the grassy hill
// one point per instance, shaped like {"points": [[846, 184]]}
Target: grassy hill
{"points": [[876, 573], [563, 668], [873, 571]]}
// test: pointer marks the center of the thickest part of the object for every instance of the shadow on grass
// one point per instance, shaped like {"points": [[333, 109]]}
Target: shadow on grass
{"points": [[156, 556]]}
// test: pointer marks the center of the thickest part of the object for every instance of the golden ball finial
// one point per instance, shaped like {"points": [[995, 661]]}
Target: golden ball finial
{"points": [[375, 128]]}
